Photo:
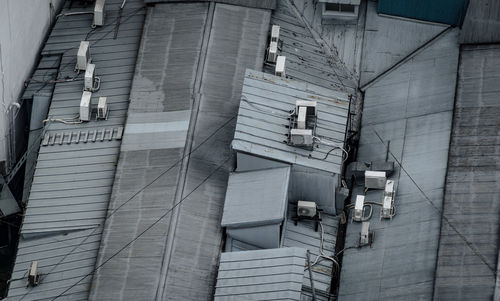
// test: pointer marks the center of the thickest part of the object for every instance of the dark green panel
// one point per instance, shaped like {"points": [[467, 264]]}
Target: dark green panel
{"points": [[450, 12]]}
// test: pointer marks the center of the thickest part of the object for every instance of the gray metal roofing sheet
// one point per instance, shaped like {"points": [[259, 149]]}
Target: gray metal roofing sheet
{"points": [[306, 60], [72, 182], [411, 107], [388, 40], [303, 235], [263, 120], [164, 87], [256, 197], [482, 22], [272, 274], [266, 4], [472, 202]]}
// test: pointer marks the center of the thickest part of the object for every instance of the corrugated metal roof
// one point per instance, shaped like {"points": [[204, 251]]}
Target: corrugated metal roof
{"points": [[263, 120], [472, 202], [482, 22], [306, 60], [303, 235], [190, 52], [273, 274], [256, 197], [411, 107], [72, 181]]}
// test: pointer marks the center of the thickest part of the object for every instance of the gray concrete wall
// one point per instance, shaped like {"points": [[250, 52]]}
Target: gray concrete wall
{"points": [[23, 26]]}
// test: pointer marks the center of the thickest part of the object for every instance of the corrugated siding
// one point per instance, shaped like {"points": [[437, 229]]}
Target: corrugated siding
{"points": [[273, 274], [411, 107], [263, 120], [72, 182], [472, 197], [450, 12]]}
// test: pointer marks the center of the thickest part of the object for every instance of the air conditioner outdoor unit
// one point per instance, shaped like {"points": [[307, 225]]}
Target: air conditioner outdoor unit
{"points": [[301, 118], [301, 137], [375, 179], [33, 276], [306, 208], [364, 238], [275, 33], [280, 66], [102, 108], [85, 106], [358, 208], [98, 13], [83, 56], [389, 188], [89, 77], [312, 106], [387, 206], [272, 52]]}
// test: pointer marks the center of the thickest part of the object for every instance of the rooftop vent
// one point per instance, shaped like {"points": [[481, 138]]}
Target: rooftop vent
{"points": [[83, 56], [85, 106], [33, 276], [375, 179], [98, 13], [280, 66]]}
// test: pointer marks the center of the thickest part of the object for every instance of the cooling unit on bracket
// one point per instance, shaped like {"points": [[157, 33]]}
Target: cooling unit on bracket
{"points": [[91, 82], [375, 179], [98, 13], [280, 66], [83, 56], [366, 237], [33, 276], [272, 52], [102, 108], [303, 124], [85, 106], [307, 209], [358, 208]]}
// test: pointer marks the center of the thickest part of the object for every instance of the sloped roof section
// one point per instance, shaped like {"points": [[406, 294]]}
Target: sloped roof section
{"points": [[266, 4], [265, 106], [272, 274], [256, 197], [411, 107], [472, 197]]}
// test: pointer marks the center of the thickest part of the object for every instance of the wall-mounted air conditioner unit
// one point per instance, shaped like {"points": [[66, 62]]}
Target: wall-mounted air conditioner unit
{"points": [[306, 208], [358, 208], [85, 106], [389, 188], [33, 275], [272, 52], [102, 108], [375, 179], [301, 137], [98, 13], [280, 66], [83, 56], [301, 118], [275, 33], [312, 107], [387, 205], [92, 82]]}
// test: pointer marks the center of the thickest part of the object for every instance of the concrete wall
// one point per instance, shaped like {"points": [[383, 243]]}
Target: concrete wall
{"points": [[23, 27]]}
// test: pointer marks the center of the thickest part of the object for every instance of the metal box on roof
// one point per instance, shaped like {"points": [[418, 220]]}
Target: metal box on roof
{"points": [[89, 77], [83, 55], [375, 179], [358, 208], [301, 137], [311, 106], [102, 108], [389, 188], [85, 106], [364, 238], [99, 13], [272, 53], [386, 211], [275, 33], [280, 66]]}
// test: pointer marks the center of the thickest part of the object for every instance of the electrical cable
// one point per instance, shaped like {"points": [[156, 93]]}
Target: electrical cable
{"points": [[143, 232], [441, 213], [278, 114]]}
